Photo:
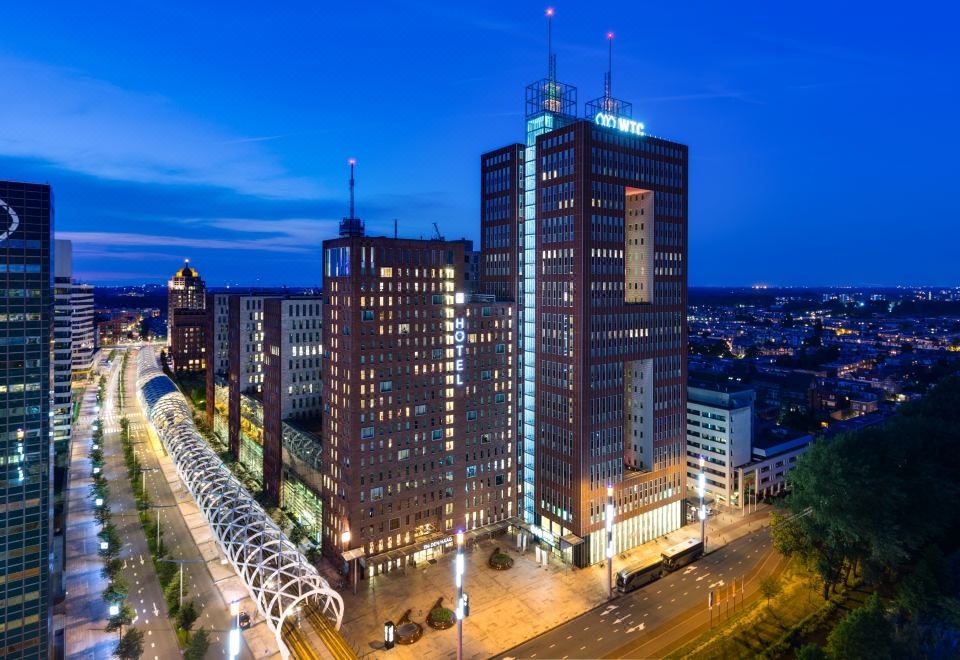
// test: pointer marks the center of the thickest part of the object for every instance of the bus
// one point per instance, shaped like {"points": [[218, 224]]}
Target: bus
{"points": [[682, 554], [630, 579]]}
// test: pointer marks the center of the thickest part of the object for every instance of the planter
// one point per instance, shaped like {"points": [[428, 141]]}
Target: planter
{"points": [[500, 561], [440, 618]]}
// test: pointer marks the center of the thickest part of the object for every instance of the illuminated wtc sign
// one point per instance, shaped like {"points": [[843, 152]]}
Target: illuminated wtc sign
{"points": [[622, 124], [459, 338]]}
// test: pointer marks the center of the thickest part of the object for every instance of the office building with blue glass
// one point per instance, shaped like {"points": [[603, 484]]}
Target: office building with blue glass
{"points": [[26, 321]]}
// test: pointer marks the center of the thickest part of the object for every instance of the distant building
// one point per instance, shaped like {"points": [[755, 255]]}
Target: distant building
{"points": [[27, 308], [719, 431], [62, 346], [186, 291], [84, 337], [188, 344]]}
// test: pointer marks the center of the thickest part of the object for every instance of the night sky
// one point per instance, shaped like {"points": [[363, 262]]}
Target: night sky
{"points": [[823, 135]]}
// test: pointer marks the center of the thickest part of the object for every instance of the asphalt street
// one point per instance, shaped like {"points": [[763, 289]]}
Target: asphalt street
{"points": [[198, 584], [654, 619], [145, 596]]}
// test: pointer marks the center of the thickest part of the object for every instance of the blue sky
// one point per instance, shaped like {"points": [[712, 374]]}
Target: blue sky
{"points": [[822, 135]]}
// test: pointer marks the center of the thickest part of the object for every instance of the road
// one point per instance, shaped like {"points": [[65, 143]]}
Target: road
{"points": [[652, 621], [146, 595], [198, 584]]}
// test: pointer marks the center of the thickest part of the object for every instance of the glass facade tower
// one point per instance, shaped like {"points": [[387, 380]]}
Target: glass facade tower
{"points": [[26, 309]]}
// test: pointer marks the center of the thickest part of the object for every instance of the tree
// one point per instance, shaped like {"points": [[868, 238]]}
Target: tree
{"points": [[770, 587], [187, 616], [130, 646], [297, 534], [810, 652], [116, 591], [123, 618], [198, 645], [863, 633], [111, 568]]}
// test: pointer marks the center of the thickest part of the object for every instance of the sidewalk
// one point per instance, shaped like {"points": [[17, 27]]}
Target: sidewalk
{"points": [[85, 611], [506, 607]]}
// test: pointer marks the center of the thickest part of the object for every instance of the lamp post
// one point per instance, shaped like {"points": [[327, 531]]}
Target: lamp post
{"points": [[609, 540], [233, 646], [459, 582], [388, 632], [115, 611], [702, 512], [344, 544]]}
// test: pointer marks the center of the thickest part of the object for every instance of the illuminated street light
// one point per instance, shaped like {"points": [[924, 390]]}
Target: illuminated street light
{"points": [[388, 634], [702, 512], [99, 501], [233, 640], [104, 545], [609, 540], [459, 581], [114, 610]]}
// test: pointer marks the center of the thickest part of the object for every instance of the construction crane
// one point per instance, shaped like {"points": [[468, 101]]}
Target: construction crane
{"points": [[437, 236]]}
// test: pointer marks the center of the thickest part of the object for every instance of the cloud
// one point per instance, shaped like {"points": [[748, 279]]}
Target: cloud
{"points": [[90, 126], [121, 239]]}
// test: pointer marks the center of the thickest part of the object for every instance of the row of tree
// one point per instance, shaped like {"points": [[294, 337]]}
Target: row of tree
{"points": [[879, 504]]}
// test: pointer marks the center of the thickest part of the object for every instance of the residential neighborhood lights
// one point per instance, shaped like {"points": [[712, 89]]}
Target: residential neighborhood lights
{"points": [[609, 540]]}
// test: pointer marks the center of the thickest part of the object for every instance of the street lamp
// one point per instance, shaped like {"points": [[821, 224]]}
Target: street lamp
{"points": [[115, 611], [702, 512], [344, 544], [459, 581], [609, 540], [388, 632], [233, 646], [98, 501]]}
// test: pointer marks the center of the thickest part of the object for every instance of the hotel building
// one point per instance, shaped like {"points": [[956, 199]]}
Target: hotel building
{"points": [[419, 407], [599, 261], [26, 325]]}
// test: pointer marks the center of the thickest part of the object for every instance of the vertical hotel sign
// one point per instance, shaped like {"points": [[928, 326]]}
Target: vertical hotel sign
{"points": [[459, 340]]}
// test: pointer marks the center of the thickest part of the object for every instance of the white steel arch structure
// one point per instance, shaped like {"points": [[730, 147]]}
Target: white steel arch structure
{"points": [[277, 576]]}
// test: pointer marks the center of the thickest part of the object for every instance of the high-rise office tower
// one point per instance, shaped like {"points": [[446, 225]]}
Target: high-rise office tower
{"points": [[501, 221], [26, 326], [603, 290], [185, 290], [418, 401], [62, 346], [186, 322], [83, 336]]}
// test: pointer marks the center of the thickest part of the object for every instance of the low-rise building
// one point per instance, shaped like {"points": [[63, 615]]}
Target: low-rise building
{"points": [[720, 433]]}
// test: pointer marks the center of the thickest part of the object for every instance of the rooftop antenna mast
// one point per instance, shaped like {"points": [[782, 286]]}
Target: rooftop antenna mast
{"points": [[551, 58], [353, 163], [608, 79], [351, 225]]}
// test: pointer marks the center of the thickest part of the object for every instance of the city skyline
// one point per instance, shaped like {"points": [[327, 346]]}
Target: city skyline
{"points": [[195, 144]]}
